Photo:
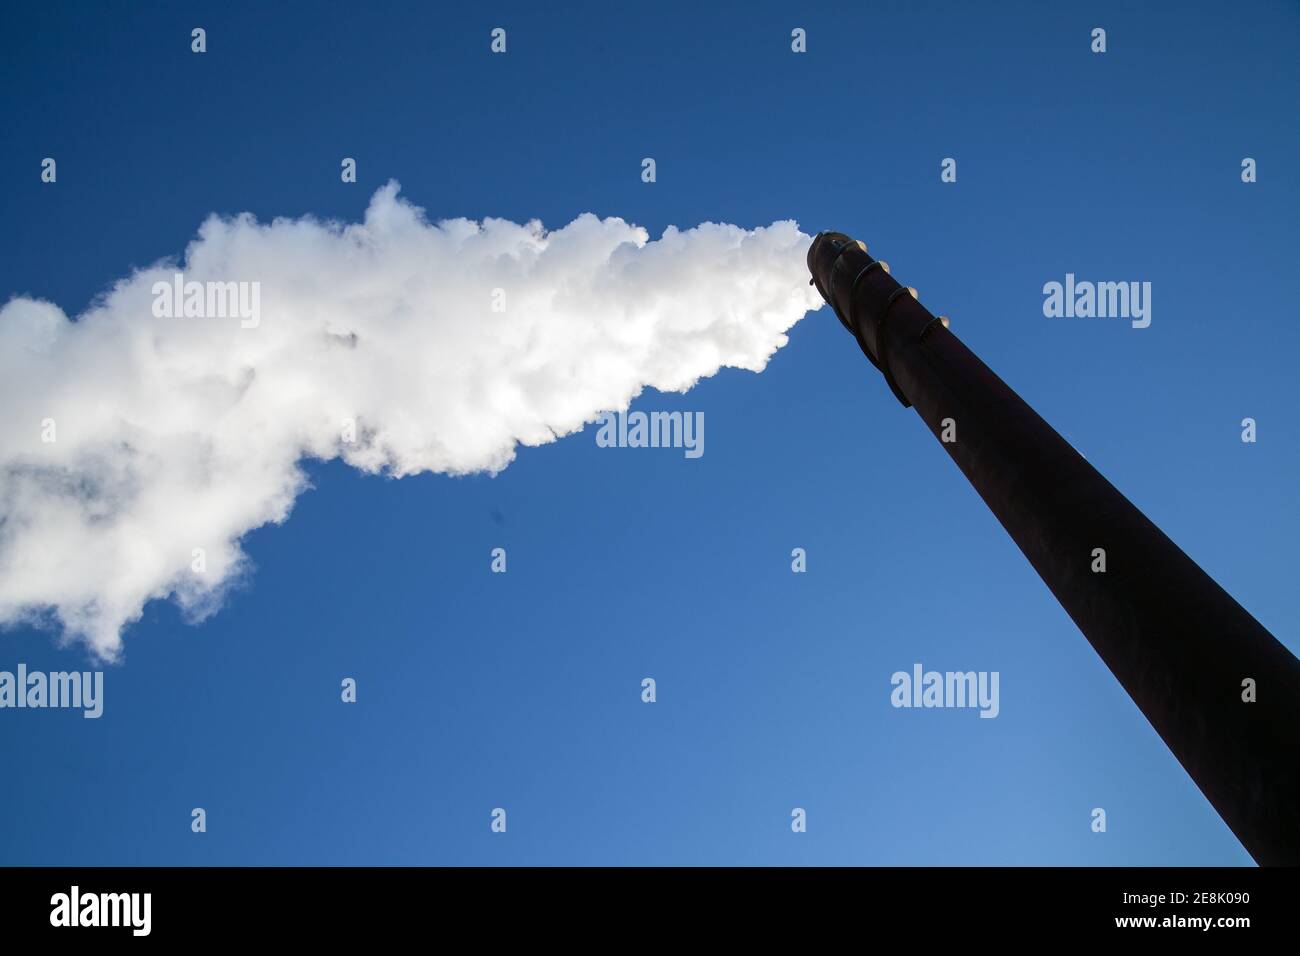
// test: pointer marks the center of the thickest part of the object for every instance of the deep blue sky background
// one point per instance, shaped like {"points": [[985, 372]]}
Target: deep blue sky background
{"points": [[522, 690]]}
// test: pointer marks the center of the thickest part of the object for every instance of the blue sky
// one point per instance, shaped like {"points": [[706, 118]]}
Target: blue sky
{"points": [[523, 690]]}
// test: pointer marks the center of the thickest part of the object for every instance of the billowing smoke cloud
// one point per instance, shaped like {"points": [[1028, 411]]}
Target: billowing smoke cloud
{"points": [[376, 342]]}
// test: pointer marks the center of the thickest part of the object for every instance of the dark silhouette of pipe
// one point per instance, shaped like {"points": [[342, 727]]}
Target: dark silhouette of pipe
{"points": [[1175, 640]]}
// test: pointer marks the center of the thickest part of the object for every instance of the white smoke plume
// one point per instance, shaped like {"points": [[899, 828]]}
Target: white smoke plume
{"points": [[176, 433]]}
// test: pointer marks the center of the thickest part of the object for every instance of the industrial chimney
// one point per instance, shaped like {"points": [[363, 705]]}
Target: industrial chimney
{"points": [[1174, 639]]}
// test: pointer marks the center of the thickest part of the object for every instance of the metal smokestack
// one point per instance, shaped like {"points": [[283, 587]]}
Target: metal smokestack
{"points": [[1177, 642]]}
